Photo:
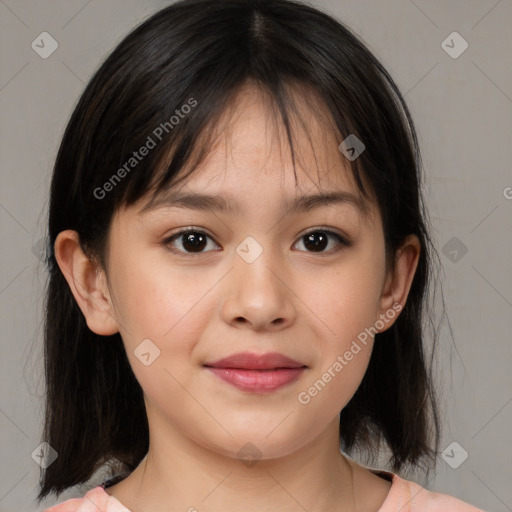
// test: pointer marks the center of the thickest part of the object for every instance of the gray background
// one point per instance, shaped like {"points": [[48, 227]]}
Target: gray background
{"points": [[463, 111]]}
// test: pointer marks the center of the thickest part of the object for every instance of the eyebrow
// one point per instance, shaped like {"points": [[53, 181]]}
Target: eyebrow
{"points": [[296, 205]]}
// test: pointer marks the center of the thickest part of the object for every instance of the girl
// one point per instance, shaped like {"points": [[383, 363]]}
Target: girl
{"points": [[239, 269]]}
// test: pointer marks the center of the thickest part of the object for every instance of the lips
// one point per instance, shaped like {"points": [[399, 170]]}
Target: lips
{"points": [[257, 373], [250, 361]]}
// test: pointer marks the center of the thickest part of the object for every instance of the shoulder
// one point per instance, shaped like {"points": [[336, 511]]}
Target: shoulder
{"points": [[408, 496], [96, 499]]}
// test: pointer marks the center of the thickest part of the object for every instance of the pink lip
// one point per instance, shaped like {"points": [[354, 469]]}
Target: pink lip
{"points": [[257, 373], [251, 361]]}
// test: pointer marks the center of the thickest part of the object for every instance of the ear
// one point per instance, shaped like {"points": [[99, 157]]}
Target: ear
{"points": [[87, 282], [398, 281]]}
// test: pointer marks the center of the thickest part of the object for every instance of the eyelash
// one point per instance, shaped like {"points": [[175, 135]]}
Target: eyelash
{"points": [[343, 241]]}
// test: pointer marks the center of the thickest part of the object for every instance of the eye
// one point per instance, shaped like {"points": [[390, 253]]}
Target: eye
{"points": [[194, 241], [317, 239]]}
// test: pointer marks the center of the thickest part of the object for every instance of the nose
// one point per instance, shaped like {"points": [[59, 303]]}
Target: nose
{"points": [[258, 293]]}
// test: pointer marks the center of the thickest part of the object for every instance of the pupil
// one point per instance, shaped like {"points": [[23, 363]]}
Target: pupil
{"points": [[317, 240], [196, 241]]}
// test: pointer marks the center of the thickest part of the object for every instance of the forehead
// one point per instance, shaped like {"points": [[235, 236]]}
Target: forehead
{"points": [[250, 159], [251, 137]]}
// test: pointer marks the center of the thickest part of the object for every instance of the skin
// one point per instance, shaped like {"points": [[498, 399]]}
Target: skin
{"points": [[307, 305]]}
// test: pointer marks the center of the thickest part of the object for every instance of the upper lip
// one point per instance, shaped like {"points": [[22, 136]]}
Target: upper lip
{"points": [[251, 361]]}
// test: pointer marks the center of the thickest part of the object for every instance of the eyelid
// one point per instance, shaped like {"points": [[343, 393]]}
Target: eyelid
{"points": [[342, 238], [326, 229], [176, 235]]}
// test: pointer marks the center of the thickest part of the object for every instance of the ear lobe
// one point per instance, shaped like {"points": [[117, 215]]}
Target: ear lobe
{"points": [[87, 283], [398, 282]]}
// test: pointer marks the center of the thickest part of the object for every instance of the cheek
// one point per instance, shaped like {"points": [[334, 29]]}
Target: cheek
{"points": [[344, 304], [337, 374], [169, 307], [346, 298], [156, 300]]}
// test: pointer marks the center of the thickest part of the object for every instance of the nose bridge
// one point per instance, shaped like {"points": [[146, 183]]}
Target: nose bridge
{"points": [[255, 264], [257, 293]]}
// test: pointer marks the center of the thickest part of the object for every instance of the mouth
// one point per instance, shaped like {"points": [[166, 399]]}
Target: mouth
{"points": [[257, 373]]}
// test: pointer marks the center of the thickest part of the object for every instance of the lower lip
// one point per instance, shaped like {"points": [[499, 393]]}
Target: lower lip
{"points": [[258, 381]]}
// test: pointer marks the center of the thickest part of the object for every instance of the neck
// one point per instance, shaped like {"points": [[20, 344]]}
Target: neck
{"points": [[179, 474]]}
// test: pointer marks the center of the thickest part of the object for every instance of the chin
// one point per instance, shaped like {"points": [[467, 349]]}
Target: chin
{"points": [[258, 445]]}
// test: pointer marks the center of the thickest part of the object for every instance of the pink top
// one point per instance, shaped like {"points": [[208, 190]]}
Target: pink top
{"points": [[403, 496]]}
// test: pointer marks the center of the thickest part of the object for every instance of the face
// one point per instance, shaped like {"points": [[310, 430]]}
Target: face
{"points": [[304, 283]]}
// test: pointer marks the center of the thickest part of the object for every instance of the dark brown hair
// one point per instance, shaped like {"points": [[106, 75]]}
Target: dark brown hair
{"points": [[204, 51]]}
